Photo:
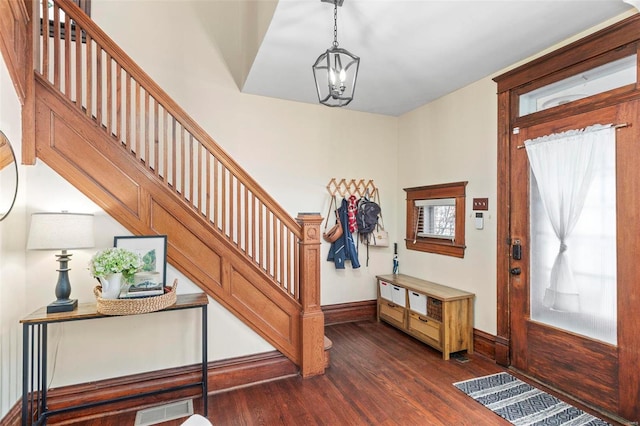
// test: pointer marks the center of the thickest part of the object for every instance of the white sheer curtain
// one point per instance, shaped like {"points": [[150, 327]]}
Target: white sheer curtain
{"points": [[563, 166]]}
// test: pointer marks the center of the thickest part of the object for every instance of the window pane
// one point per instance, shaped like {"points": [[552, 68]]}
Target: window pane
{"points": [[437, 218], [597, 80], [593, 257]]}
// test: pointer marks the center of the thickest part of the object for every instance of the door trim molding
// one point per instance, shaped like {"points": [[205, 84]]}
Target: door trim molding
{"points": [[622, 34]]}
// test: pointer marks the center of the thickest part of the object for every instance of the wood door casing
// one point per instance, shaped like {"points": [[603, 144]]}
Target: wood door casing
{"points": [[598, 373], [623, 360]]}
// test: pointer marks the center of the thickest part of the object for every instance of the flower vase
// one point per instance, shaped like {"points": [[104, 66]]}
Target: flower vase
{"points": [[111, 285]]}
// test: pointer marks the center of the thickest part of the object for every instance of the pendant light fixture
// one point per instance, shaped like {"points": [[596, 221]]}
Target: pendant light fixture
{"points": [[336, 70]]}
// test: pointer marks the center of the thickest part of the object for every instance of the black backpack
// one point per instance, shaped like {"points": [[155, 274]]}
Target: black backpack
{"points": [[367, 217], [367, 220]]}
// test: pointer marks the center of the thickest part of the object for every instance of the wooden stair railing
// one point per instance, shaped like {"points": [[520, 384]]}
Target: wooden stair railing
{"points": [[16, 46], [108, 128]]}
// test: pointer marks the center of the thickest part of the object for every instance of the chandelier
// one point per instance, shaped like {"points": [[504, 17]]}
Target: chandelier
{"points": [[336, 70]]}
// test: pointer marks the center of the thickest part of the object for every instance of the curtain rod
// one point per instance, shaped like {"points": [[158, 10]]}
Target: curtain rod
{"points": [[615, 126]]}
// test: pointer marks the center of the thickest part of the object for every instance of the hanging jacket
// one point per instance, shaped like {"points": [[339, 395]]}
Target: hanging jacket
{"points": [[344, 248]]}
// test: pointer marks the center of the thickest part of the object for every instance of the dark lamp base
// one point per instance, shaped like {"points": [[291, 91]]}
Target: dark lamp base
{"points": [[62, 306]]}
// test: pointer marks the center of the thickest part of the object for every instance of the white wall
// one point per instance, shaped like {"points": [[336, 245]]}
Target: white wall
{"points": [[450, 140], [12, 257]]}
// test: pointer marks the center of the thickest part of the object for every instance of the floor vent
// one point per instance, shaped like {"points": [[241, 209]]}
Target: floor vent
{"points": [[163, 413], [460, 357]]}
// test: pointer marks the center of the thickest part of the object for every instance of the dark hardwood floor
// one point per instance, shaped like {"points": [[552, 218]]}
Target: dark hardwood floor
{"points": [[378, 376]]}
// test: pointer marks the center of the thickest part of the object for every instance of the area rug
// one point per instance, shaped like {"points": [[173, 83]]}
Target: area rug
{"points": [[522, 404]]}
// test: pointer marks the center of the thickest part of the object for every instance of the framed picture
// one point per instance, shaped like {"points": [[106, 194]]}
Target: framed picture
{"points": [[152, 250]]}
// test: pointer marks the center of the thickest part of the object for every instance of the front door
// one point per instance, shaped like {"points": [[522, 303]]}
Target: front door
{"points": [[600, 371]]}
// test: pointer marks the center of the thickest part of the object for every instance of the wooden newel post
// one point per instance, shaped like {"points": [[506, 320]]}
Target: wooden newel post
{"points": [[312, 321]]}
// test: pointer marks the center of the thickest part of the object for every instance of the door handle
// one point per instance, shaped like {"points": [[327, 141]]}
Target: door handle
{"points": [[515, 271]]}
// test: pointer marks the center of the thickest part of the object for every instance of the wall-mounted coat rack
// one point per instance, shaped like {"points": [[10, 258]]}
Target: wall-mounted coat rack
{"points": [[357, 187]]}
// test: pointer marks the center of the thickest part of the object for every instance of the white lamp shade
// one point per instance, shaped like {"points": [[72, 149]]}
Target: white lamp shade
{"points": [[60, 231]]}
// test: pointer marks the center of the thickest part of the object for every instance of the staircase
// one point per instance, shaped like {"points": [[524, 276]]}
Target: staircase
{"points": [[97, 119]]}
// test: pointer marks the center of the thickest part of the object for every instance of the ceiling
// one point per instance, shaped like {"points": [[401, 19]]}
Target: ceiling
{"points": [[413, 51]]}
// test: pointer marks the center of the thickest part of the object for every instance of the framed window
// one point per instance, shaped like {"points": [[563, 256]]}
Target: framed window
{"points": [[435, 218]]}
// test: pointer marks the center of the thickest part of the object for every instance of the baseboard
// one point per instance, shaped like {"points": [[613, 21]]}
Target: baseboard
{"points": [[349, 312], [222, 376], [249, 370], [484, 344]]}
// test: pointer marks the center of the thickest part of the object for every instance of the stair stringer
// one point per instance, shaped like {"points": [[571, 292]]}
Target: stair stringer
{"points": [[74, 146]]}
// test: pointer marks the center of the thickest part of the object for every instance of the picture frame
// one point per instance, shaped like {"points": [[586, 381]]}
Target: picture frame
{"points": [[152, 248]]}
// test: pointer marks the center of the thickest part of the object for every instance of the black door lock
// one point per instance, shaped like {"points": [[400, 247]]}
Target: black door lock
{"points": [[516, 271], [516, 250]]}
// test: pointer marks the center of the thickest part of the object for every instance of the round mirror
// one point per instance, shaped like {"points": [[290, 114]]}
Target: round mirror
{"points": [[8, 176]]}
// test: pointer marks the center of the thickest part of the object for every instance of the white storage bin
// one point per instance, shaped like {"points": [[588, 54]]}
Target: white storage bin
{"points": [[399, 295], [385, 290], [418, 302]]}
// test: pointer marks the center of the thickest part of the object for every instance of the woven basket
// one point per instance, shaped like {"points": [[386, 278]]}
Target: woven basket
{"points": [[140, 305]]}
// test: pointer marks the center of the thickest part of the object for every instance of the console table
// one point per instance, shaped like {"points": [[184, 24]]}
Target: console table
{"points": [[440, 316], [34, 356]]}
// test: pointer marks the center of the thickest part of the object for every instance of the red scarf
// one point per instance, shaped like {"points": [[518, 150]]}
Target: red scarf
{"points": [[351, 209]]}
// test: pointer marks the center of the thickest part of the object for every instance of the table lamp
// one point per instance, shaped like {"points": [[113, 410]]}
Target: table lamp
{"points": [[61, 231]]}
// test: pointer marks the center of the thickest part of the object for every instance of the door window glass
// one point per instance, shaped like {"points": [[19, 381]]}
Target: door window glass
{"points": [[597, 80], [593, 257]]}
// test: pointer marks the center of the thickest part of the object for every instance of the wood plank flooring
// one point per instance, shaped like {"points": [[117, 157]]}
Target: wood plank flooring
{"points": [[378, 376]]}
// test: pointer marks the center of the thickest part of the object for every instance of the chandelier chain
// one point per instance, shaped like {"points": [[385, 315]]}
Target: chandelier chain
{"points": [[335, 23]]}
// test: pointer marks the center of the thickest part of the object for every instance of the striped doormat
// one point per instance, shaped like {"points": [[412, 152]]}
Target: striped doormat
{"points": [[522, 404]]}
